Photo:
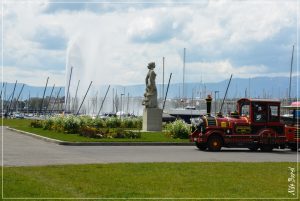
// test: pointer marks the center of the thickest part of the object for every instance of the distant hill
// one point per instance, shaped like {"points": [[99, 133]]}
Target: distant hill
{"points": [[258, 87], [33, 90]]}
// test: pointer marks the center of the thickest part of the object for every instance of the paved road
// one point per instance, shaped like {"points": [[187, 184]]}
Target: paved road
{"points": [[22, 150]]}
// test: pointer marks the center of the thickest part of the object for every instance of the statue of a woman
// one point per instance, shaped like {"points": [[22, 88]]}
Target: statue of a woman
{"points": [[150, 100]]}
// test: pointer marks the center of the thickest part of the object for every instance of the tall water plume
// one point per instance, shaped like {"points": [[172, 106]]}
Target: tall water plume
{"points": [[84, 55]]}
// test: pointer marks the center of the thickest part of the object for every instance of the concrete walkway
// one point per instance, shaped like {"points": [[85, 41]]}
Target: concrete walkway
{"points": [[23, 150]]}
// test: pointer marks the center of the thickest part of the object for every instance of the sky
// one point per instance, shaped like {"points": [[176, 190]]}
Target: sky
{"points": [[111, 42]]}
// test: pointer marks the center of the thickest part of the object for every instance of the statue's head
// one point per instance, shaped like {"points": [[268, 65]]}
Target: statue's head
{"points": [[151, 65]]}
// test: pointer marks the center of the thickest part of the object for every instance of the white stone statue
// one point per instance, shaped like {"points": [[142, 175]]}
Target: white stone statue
{"points": [[150, 100]]}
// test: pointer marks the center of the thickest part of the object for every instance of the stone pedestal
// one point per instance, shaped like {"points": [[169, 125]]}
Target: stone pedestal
{"points": [[152, 119]]}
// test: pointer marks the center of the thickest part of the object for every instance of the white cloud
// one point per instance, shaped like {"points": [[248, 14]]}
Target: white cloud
{"points": [[34, 78], [142, 27], [157, 24], [224, 25], [115, 47], [220, 70]]}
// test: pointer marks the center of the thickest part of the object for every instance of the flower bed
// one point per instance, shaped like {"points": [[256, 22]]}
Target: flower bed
{"points": [[93, 128]]}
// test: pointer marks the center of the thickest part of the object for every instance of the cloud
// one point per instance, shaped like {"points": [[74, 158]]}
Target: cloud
{"points": [[155, 28], [61, 7], [30, 41], [227, 27], [35, 78], [53, 39], [220, 70], [112, 43], [104, 6]]}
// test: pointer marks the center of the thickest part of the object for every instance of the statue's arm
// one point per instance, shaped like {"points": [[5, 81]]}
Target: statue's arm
{"points": [[152, 79], [146, 80]]}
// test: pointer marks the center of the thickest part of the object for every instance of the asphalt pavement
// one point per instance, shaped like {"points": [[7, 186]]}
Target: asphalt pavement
{"points": [[23, 150]]}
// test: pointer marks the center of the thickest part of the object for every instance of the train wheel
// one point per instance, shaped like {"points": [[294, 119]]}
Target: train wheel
{"points": [[214, 143], [266, 148], [253, 148], [202, 147], [294, 148]]}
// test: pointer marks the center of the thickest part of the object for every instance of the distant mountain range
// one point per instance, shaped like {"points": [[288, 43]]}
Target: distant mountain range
{"points": [[258, 87]]}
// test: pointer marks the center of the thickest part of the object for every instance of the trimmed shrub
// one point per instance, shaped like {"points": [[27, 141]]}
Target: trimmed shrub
{"points": [[87, 131], [94, 128], [98, 123], [178, 129], [84, 121], [48, 124], [127, 123], [95, 133], [133, 135], [58, 124], [139, 123], [113, 122], [36, 124], [119, 133], [71, 124], [132, 123]]}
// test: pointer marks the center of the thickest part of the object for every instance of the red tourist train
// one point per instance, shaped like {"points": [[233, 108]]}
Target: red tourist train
{"points": [[257, 124], [292, 127]]}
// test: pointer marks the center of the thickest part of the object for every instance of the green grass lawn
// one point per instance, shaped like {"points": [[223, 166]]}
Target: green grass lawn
{"points": [[150, 180], [24, 125]]}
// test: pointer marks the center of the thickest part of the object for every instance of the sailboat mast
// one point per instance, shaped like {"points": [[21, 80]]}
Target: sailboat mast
{"points": [[183, 74], [291, 71]]}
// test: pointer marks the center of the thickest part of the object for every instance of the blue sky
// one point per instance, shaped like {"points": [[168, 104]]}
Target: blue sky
{"points": [[111, 43]]}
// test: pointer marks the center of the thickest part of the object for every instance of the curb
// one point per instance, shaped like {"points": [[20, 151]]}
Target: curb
{"points": [[126, 143], [36, 136], [65, 143]]}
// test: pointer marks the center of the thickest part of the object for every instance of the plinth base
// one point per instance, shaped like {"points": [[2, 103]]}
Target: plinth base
{"points": [[152, 119]]}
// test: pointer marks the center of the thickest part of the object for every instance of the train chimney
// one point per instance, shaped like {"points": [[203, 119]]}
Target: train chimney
{"points": [[208, 104]]}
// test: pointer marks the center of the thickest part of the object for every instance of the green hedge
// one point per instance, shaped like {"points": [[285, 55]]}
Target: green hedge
{"points": [[178, 129], [112, 127]]}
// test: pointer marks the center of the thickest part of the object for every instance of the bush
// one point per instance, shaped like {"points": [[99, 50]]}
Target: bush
{"points": [[87, 131], [93, 128], [132, 123], [113, 122], [36, 124], [84, 121], [133, 135], [58, 124], [48, 124], [137, 123], [178, 129], [71, 124], [121, 133], [127, 123], [98, 123], [92, 132]]}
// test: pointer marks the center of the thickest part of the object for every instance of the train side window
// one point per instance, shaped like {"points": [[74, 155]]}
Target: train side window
{"points": [[245, 110], [273, 113], [260, 113]]}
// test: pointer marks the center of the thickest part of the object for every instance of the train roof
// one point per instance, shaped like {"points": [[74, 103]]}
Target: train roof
{"points": [[260, 100]]}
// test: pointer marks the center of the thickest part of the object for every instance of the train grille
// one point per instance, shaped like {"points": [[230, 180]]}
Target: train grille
{"points": [[297, 133], [211, 121]]}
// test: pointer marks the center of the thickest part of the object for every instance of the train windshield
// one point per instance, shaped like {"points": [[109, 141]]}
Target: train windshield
{"points": [[244, 108]]}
